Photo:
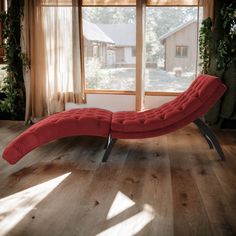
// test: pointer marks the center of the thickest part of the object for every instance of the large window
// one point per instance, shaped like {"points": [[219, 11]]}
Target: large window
{"points": [[109, 42], [171, 48], [171, 36]]}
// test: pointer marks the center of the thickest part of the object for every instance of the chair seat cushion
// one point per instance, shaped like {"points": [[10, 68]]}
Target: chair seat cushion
{"points": [[87, 121], [170, 113]]}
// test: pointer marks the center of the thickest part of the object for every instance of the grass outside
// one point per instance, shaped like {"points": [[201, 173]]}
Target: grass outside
{"points": [[124, 79]]}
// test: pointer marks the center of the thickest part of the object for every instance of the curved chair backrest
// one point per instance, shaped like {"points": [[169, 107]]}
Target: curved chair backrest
{"points": [[202, 94]]}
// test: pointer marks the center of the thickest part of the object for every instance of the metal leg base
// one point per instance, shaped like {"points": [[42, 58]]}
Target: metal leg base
{"points": [[210, 137], [107, 142], [109, 146], [206, 138]]}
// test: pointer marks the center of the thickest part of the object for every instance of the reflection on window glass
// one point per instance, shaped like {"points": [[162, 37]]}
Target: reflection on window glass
{"points": [[109, 47], [171, 48]]}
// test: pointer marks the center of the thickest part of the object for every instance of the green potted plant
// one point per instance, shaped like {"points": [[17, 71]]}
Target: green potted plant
{"points": [[13, 89], [217, 47]]}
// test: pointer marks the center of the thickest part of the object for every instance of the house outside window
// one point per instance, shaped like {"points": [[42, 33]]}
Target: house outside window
{"points": [[111, 31], [171, 48], [169, 34], [181, 51]]}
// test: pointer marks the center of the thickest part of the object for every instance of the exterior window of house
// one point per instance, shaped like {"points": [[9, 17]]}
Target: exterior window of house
{"points": [[181, 51], [171, 47], [109, 42]]}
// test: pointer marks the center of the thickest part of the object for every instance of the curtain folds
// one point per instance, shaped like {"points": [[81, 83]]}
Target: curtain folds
{"points": [[51, 35]]}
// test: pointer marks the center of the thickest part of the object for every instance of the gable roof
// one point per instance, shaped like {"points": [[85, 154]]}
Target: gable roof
{"points": [[93, 33], [121, 34], [178, 28]]}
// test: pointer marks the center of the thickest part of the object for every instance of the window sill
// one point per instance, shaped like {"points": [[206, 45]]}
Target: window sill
{"points": [[115, 92], [155, 93]]}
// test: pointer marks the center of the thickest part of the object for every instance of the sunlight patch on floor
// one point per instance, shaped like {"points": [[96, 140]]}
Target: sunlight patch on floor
{"points": [[120, 204], [15, 207], [132, 225]]}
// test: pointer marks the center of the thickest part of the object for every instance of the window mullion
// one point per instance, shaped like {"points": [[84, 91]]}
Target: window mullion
{"points": [[140, 53]]}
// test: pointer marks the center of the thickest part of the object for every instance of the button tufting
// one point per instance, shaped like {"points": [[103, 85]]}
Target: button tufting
{"points": [[169, 113]]}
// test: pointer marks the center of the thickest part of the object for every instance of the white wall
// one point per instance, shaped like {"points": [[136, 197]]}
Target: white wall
{"points": [[107, 101], [156, 101], [128, 56], [119, 102]]}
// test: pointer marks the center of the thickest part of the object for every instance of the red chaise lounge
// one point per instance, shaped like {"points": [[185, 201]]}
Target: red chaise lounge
{"points": [[188, 107]]}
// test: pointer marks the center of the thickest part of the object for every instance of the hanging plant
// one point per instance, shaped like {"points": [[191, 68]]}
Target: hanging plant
{"points": [[226, 50], [222, 59], [13, 83], [205, 39]]}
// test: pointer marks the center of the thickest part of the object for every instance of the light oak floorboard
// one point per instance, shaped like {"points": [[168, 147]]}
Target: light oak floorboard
{"points": [[173, 185]]}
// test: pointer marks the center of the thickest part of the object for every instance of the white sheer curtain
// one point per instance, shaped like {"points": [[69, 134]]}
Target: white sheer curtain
{"points": [[54, 39]]}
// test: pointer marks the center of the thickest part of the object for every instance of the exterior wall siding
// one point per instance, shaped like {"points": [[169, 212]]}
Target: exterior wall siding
{"points": [[129, 59], [184, 37]]}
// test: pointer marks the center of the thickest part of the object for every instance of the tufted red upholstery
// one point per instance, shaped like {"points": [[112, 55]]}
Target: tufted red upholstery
{"points": [[181, 123], [87, 121], [187, 107], [204, 89]]}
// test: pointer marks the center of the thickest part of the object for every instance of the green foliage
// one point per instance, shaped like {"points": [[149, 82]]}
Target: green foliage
{"points": [[223, 59], [226, 50], [96, 77], [205, 39], [13, 83]]}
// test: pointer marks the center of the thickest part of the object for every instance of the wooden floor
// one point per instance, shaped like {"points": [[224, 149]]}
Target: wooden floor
{"points": [[168, 185]]}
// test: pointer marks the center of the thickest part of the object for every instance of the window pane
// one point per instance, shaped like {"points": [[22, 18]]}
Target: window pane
{"points": [[109, 47], [171, 48], [181, 51]]}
